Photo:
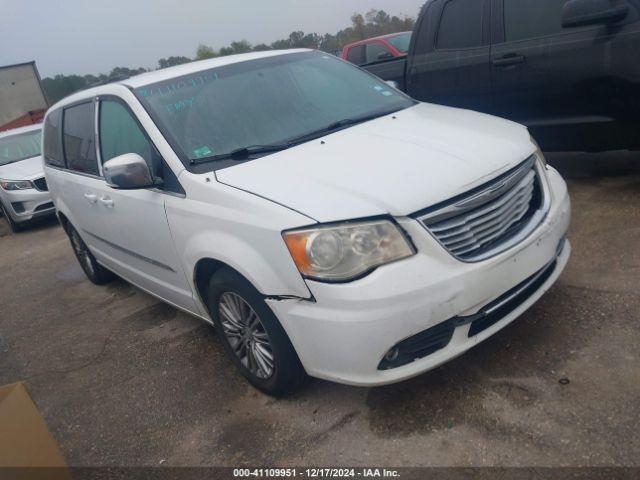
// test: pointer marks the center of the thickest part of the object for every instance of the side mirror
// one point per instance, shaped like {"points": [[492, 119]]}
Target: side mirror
{"points": [[578, 13], [393, 84], [128, 171]]}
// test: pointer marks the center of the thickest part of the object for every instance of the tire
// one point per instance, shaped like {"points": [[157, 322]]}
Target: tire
{"points": [[15, 227], [250, 345], [95, 272]]}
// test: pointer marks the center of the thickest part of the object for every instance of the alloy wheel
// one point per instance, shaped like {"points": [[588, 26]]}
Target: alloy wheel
{"points": [[82, 252], [246, 335]]}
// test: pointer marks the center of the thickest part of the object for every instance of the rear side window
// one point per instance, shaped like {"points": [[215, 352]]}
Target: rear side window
{"points": [[52, 148], [357, 55], [78, 139], [120, 133], [401, 42], [377, 52], [461, 24]]}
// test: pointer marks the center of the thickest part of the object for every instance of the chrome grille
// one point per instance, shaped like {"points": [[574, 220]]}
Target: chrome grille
{"points": [[40, 184], [489, 219]]}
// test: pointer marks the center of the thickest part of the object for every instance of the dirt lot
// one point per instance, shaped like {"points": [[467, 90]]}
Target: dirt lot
{"points": [[124, 380]]}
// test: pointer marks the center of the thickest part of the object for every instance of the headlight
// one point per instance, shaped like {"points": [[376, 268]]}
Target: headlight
{"points": [[16, 184], [343, 252]]}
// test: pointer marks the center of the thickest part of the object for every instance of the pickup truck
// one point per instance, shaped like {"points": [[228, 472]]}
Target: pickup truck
{"points": [[567, 70], [374, 50]]}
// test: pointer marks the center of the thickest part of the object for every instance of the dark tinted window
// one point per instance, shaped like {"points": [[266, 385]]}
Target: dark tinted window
{"points": [[78, 139], [357, 55], [52, 147], [120, 133], [527, 19], [401, 42], [377, 52], [461, 24]]}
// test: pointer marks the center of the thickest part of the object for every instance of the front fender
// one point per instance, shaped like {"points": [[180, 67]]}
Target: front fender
{"points": [[239, 229], [271, 274]]}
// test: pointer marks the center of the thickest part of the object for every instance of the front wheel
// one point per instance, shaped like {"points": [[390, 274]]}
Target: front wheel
{"points": [[252, 335], [95, 272]]}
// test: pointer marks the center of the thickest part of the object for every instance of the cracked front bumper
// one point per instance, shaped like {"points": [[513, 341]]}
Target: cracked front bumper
{"points": [[346, 333]]}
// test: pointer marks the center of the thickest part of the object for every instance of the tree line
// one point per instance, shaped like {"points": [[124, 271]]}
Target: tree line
{"points": [[371, 24]]}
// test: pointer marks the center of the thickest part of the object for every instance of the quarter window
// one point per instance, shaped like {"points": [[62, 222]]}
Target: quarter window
{"points": [[120, 133], [78, 139], [461, 24], [52, 147], [526, 19], [357, 55]]}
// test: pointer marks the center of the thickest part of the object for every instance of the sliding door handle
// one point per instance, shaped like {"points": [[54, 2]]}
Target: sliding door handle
{"points": [[106, 201]]}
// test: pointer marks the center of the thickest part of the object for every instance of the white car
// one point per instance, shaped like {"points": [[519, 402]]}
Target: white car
{"points": [[24, 195], [323, 221]]}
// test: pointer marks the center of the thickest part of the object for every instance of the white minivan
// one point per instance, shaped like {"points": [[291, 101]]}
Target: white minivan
{"points": [[326, 224]]}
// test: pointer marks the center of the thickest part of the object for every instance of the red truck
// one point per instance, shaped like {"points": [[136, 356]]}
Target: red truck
{"points": [[378, 49]]}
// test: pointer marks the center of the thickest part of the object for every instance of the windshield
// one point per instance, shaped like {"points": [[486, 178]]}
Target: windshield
{"points": [[20, 147], [401, 42], [263, 102]]}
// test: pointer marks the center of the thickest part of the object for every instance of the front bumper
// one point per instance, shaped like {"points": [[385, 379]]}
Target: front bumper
{"points": [[26, 205], [345, 334]]}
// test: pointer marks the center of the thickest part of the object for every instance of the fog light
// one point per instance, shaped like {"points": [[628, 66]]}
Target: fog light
{"points": [[18, 207], [392, 355]]}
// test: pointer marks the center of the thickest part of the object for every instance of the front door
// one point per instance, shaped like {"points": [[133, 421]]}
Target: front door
{"points": [[450, 65], [127, 230], [544, 74]]}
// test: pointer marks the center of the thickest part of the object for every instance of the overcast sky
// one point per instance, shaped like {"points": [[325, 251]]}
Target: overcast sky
{"points": [[93, 36]]}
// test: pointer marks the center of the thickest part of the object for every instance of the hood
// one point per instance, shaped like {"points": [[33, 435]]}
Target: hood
{"points": [[27, 169], [398, 166]]}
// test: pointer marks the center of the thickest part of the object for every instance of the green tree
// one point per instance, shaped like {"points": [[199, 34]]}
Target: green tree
{"points": [[172, 61], [203, 52], [124, 72], [302, 40], [281, 44], [241, 46], [262, 47], [373, 23], [61, 86], [359, 26], [329, 43]]}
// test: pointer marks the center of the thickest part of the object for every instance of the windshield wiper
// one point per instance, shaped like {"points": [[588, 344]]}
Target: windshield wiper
{"points": [[348, 122], [242, 153], [246, 152], [340, 124]]}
